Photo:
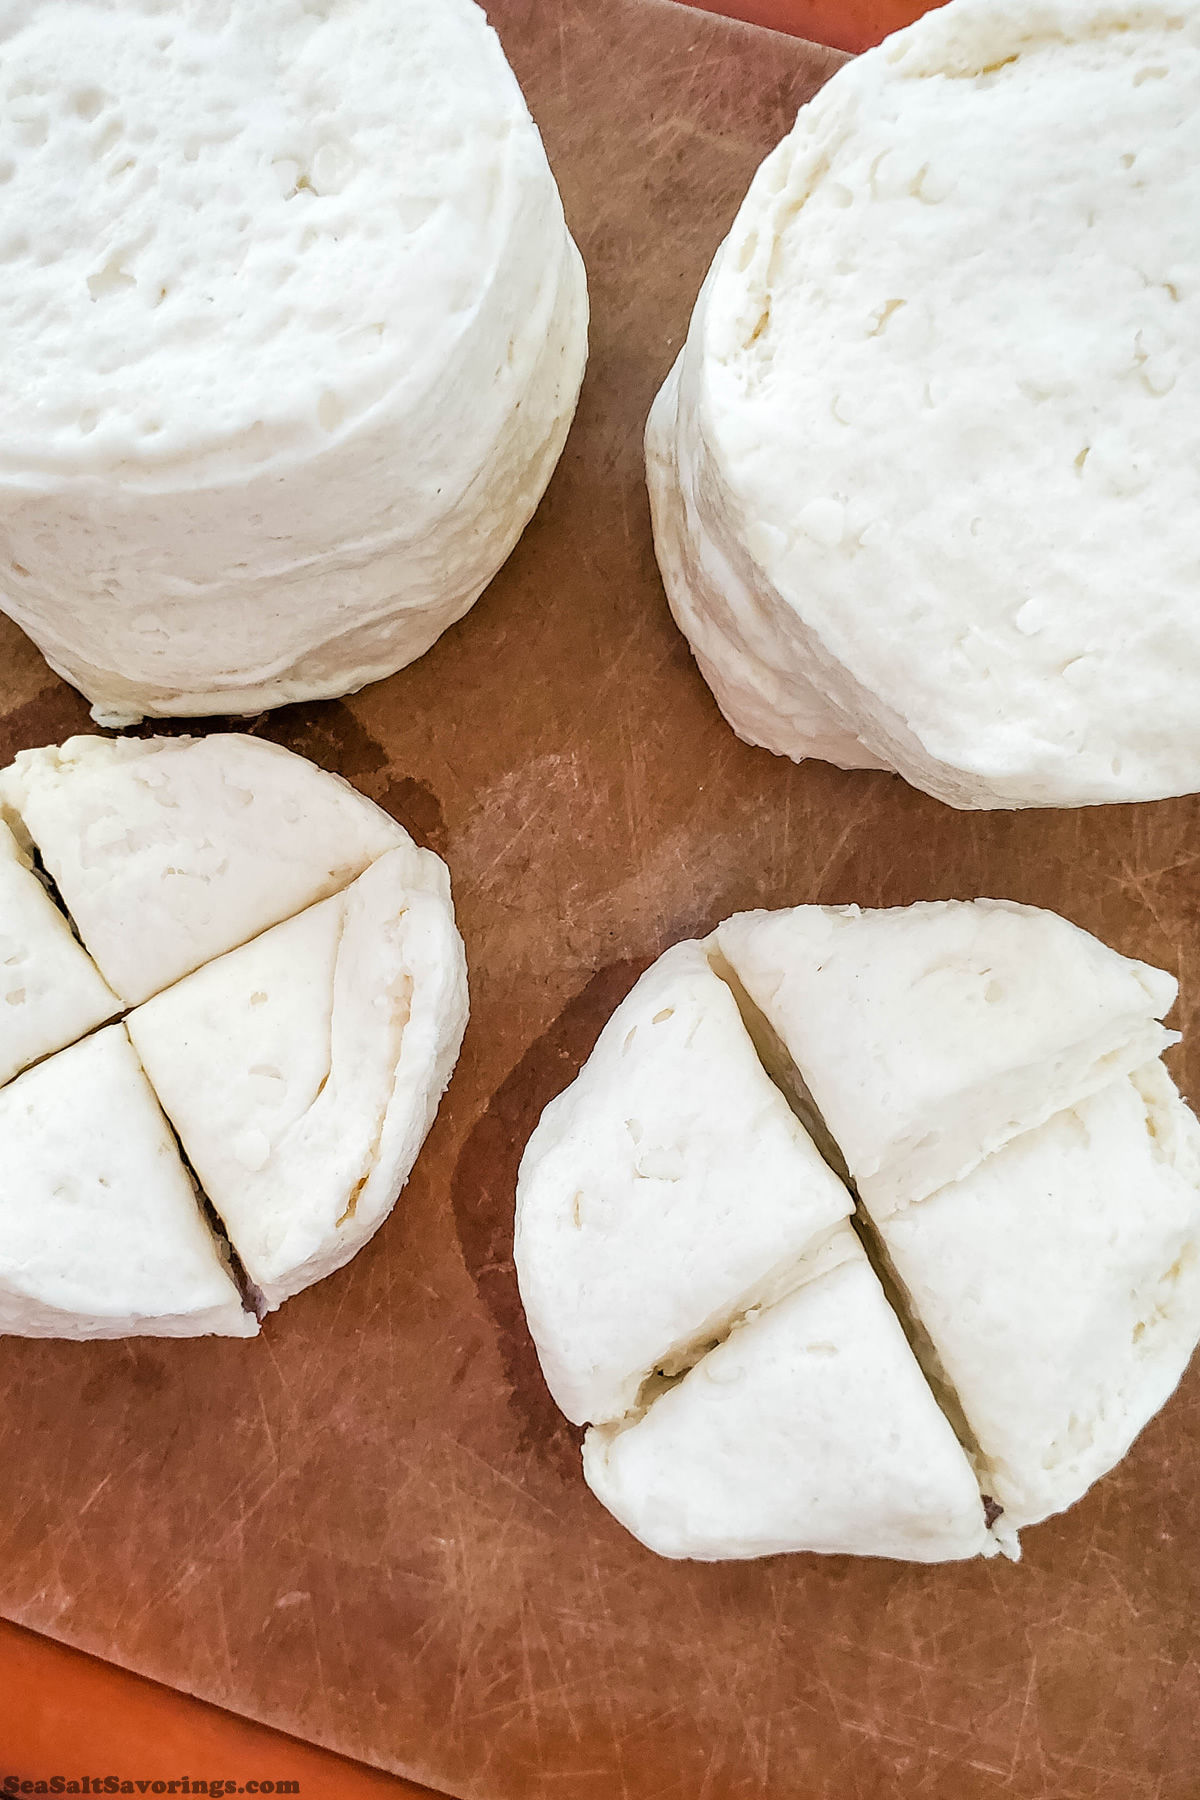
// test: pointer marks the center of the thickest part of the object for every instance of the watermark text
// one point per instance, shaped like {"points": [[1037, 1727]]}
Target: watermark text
{"points": [[120, 1784]]}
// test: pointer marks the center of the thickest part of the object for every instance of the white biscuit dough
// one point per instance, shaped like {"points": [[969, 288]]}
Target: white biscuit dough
{"points": [[1060, 1287], [809, 1428], [669, 1188], [930, 1035], [51, 992], [293, 331], [303, 1071], [925, 474], [303, 998], [101, 1233], [170, 851], [958, 1331]]}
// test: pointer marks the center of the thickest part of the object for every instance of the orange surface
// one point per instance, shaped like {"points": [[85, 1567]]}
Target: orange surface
{"points": [[63, 1713], [845, 24]]}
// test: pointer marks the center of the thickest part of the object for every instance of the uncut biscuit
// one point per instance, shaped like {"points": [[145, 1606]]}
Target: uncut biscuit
{"points": [[292, 331], [924, 477]]}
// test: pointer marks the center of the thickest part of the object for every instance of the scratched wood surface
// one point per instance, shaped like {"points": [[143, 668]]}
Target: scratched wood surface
{"points": [[369, 1528]]}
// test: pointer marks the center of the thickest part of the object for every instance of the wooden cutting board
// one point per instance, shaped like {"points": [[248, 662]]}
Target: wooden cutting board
{"points": [[369, 1528]]}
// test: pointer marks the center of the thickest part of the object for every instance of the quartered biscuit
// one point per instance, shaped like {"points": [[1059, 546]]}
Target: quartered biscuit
{"points": [[1016, 1293], [309, 1004]]}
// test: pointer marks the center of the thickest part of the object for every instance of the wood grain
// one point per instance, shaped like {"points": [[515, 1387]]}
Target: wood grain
{"points": [[369, 1528]]}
